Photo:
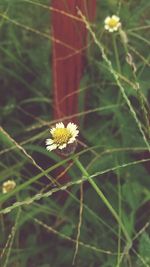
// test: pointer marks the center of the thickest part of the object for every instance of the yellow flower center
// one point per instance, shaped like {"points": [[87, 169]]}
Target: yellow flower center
{"points": [[61, 135], [112, 23], [8, 186]]}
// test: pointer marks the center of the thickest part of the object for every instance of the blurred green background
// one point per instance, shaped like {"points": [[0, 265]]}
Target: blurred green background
{"points": [[43, 233]]}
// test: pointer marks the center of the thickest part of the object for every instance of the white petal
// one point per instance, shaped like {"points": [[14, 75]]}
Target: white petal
{"points": [[62, 146], [49, 141], [115, 28], [111, 29], [72, 126], [71, 140], [75, 133], [52, 130], [116, 18], [60, 125], [107, 20], [52, 147], [106, 27], [73, 129]]}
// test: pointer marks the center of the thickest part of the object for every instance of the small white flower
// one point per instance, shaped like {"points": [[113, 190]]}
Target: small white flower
{"points": [[62, 136], [8, 186], [112, 23]]}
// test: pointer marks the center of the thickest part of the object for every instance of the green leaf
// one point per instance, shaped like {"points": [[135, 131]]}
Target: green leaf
{"points": [[144, 247], [132, 193]]}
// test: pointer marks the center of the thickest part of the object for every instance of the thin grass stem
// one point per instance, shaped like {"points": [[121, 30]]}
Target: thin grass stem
{"points": [[104, 199]]}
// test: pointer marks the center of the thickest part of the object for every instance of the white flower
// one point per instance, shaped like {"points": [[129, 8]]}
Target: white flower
{"points": [[62, 136], [112, 23], [8, 186]]}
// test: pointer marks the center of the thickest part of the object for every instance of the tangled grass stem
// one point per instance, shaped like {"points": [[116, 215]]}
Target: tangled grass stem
{"points": [[104, 199]]}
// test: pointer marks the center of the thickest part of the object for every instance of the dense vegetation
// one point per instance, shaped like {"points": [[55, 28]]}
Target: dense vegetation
{"points": [[42, 225]]}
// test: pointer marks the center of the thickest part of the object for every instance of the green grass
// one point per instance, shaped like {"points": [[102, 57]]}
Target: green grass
{"points": [[37, 227]]}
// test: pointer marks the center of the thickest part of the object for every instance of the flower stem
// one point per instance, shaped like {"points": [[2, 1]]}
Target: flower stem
{"points": [[116, 53], [104, 199], [117, 62]]}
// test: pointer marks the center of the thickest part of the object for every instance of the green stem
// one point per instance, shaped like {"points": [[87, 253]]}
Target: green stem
{"points": [[116, 53], [119, 228], [144, 111], [104, 199], [118, 70]]}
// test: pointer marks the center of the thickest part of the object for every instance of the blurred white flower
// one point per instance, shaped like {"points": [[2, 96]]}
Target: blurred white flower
{"points": [[112, 23], [62, 136], [8, 186]]}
